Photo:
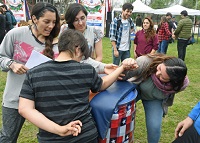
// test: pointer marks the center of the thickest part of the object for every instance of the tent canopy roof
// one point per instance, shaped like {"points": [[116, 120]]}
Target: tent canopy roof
{"points": [[139, 7], [176, 10]]}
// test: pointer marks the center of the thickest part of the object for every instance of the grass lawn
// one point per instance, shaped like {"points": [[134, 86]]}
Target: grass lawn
{"points": [[184, 101]]}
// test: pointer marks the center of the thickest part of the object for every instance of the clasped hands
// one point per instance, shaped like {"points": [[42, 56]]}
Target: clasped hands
{"points": [[129, 64]]}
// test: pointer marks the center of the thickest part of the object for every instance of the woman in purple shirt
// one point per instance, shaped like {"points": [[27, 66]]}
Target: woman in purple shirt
{"points": [[146, 40]]}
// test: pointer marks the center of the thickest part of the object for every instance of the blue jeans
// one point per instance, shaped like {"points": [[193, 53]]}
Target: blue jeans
{"points": [[153, 116], [11, 125], [163, 45], [122, 55], [181, 47]]}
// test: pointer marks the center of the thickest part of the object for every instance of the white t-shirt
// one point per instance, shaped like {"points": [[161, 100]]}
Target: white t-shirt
{"points": [[124, 44]]}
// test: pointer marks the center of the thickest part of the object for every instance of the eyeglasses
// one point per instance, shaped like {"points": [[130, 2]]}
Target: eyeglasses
{"points": [[82, 19]]}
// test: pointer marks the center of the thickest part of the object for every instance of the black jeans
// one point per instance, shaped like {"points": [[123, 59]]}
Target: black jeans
{"points": [[181, 47], [189, 136]]}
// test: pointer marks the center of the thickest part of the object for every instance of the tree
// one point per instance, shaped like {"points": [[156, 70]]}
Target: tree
{"points": [[158, 4], [189, 3]]}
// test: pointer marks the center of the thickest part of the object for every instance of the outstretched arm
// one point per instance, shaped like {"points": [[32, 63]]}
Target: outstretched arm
{"points": [[112, 77]]}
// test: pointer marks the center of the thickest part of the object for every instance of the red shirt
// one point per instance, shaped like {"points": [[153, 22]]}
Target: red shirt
{"points": [[163, 32], [143, 46]]}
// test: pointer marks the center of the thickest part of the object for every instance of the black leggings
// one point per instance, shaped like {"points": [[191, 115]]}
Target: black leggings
{"points": [[189, 136]]}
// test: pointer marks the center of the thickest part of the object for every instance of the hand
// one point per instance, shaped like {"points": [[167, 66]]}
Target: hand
{"points": [[73, 128], [135, 55], [18, 68], [110, 68], [173, 36], [120, 77], [182, 126], [129, 63], [116, 53]]}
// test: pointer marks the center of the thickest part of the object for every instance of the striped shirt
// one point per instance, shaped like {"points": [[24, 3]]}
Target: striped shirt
{"points": [[60, 91]]}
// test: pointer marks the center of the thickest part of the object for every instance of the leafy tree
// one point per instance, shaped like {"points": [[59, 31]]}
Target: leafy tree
{"points": [[158, 4], [189, 3]]}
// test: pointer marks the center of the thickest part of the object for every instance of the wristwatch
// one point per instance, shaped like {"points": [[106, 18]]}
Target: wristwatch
{"points": [[9, 63]]}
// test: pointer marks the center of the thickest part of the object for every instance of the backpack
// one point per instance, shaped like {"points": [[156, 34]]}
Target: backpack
{"points": [[14, 21]]}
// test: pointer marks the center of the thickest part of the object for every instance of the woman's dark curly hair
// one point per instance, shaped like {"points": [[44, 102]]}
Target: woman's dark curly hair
{"points": [[175, 68]]}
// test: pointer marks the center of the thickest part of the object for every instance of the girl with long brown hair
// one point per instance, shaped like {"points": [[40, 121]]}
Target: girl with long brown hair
{"points": [[15, 50], [146, 40]]}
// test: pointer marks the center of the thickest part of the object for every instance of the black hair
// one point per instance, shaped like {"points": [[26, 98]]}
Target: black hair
{"points": [[184, 13], [38, 11], [176, 70], [4, 6], [72, 12], [1, 10], [169, 14], [128, 6], [70, 39]]}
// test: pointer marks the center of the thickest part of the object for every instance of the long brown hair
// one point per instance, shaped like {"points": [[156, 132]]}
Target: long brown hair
{"points": [[175, 68], [150, 33], [38, 10]]}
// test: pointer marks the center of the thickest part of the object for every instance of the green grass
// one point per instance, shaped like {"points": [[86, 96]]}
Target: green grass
{"points": [[184, 101]]}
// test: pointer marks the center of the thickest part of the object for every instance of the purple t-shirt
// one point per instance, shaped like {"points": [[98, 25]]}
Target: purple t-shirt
{"points": [[143, 46]]}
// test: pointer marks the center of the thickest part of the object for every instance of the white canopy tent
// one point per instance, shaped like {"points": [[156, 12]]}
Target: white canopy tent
{"points": [[176, 10], [139, 7]]}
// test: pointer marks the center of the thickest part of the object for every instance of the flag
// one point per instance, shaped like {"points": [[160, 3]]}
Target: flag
{"points": [[27, 12]]}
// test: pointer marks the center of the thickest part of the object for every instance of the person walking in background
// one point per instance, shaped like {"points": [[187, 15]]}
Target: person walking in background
{"points": [[158, 76], [188, 130], [146, 40], [75, 17], [120, 31], [2, 25], [169, 20], [71, 94], [138, 23], [183, 33], [7, 13], [15, 50], [62, 19], [175, 23], [163, 35]]}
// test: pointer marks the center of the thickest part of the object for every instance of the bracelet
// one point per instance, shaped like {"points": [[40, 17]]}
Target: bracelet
{"points": [[9, 63]]}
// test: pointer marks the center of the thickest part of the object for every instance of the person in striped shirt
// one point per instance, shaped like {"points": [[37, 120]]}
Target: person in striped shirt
{"points": [[57, 92]]}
